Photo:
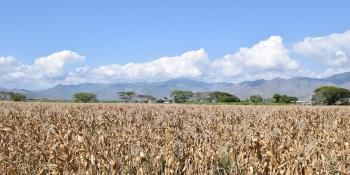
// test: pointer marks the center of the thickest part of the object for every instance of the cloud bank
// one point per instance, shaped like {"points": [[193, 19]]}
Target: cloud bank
{"points": [[266, 59], [331, 51]]}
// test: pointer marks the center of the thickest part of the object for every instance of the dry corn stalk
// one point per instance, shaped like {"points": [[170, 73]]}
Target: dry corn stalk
{"points": [[53, 138]]}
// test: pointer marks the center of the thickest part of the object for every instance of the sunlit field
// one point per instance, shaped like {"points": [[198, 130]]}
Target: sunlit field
{"points": [[57, 138]]}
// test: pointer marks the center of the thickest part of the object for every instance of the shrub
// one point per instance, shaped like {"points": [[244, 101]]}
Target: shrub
{"points": [[278, 98], [223, 97], [17, 96], [256, 99], [181, 96], [84, 97]]}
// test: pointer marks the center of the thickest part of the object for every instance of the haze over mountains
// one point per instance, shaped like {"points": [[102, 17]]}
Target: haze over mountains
{"points": [[302, 87]]}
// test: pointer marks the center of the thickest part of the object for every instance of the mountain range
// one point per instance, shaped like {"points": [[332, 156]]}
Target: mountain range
{"points": [[302, 87]]}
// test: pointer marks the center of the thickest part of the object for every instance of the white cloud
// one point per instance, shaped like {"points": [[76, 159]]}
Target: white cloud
{"points": [[53, 65], [7, 64], [10, 68], [191, 64], [266, 56], [266, 59], [45, 71], [331, 51]]}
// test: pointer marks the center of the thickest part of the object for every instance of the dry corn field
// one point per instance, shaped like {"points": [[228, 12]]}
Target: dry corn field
{"points": [[55, 138]]}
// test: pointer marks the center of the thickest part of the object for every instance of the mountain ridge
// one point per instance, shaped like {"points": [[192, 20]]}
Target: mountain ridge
{"points": [[302, 87]]}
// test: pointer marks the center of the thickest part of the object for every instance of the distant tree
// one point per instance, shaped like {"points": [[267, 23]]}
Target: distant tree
{"points": [[127, 96], [288, 99], [160, 101], [5, 95], [217, 94], [269, 100], [330, 95], [256, 99], [181, 96], [229, 99], [145, 98], [201, 97], [278, 98], [84, 97], [223, 97], [14, 96]]}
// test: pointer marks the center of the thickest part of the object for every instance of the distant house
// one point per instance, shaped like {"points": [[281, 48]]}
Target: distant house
{"points": [[301, 102], [344, 101]]}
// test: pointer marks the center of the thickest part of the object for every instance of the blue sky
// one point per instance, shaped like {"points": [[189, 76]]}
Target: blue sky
{"points": [[100, 39]]}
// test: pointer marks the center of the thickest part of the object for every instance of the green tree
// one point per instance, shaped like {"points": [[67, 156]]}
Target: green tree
{"points": [[160, 101], [256, 99], [127, 96], [330, 95], [228, 99], [223, 97], [288, 99], [84, 97], [145, 98], [181, 96], [278, 98], [14, 96]]}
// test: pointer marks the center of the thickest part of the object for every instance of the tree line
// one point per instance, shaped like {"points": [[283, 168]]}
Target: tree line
{"points": [[224, 97], [324, 95], [13, 96], [181, 96]]}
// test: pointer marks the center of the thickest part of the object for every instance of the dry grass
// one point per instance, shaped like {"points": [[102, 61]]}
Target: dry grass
{"points": [[51, 138]]}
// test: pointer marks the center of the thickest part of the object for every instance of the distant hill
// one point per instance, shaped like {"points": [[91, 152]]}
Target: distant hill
{"points": [[301, 87], [342, 78], [29, 94], [3, 89], [109, 91]]}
